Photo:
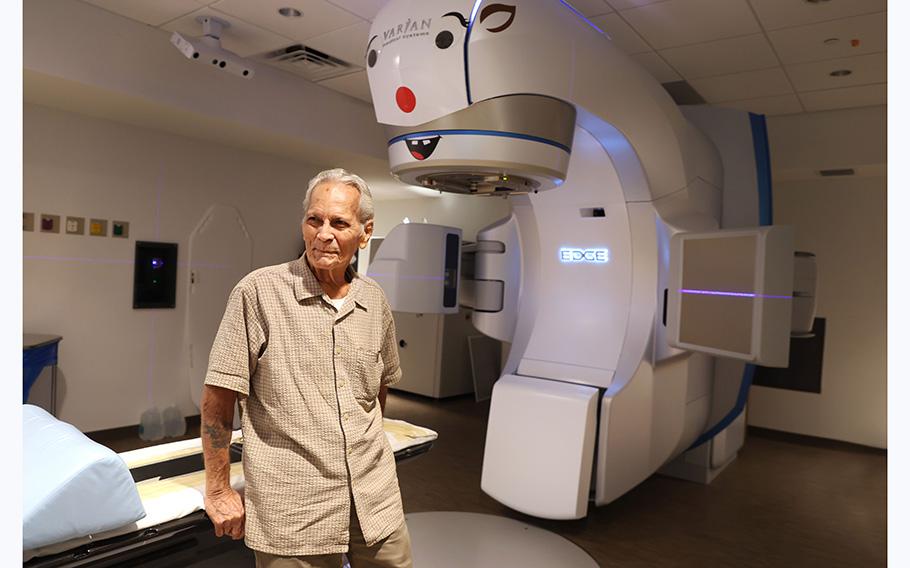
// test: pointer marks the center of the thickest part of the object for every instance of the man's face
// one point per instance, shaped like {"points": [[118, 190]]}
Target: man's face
{"points": [[331, 229]]}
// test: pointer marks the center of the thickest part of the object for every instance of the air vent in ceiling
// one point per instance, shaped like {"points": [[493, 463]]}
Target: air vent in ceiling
{"points": [[310, 63], [840, 172]]}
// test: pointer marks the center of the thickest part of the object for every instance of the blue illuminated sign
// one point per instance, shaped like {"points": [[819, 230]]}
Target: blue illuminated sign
{"points": [[591, 255]]}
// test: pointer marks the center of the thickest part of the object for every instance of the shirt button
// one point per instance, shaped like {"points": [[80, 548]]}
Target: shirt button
{"points": [[340, 384], [338, 351]]}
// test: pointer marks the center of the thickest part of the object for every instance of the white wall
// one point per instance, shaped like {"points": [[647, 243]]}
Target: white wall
{"points": [[115, 361], [842, 220]]}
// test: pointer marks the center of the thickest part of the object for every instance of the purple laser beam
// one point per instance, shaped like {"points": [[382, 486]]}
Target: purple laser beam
{"points": [[381, 275], [734, 294]]}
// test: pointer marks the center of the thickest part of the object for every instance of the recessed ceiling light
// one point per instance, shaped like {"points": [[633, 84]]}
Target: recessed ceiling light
{"points": [[832, 41], [816, 1], [840, 73], [290, 12]]}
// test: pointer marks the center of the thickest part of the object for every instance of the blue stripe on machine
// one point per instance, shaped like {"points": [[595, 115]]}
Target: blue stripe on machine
{"points": [[765, 217], [762, 168], [741, 399], [498, 133]]}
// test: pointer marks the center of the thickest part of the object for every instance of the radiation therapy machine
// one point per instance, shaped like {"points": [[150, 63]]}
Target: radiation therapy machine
{"points": [[639, 278], [84, 505]]}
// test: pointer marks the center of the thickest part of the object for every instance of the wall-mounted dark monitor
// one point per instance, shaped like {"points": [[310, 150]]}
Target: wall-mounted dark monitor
{"points": [[155, 275]]}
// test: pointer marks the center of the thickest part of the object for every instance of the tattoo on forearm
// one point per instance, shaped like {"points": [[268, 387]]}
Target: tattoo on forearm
{"points": [[218, 435]]}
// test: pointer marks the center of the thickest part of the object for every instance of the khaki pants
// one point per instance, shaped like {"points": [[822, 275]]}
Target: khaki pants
{"points": [[393, 551]]}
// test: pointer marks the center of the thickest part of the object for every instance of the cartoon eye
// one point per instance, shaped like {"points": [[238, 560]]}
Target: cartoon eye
{"points": [[372, 54], [444, 39], [491, 9]]}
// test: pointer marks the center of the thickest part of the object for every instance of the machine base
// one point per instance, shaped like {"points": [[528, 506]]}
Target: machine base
{"points": [[695, 465], [455, 540], [705, 462]]}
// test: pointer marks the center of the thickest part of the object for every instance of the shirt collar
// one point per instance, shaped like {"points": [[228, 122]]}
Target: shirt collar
{"points": [[306, 285]]}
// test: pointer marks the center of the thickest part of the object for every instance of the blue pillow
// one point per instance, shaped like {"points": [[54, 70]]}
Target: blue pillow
{"points": [[73, 487]]}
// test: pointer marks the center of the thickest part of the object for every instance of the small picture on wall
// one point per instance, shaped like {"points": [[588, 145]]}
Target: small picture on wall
{"points": [[75, 225], [120, 229], [50, 223], [97, 227]]}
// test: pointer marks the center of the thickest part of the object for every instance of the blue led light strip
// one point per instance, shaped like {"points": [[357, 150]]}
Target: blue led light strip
{"points": [[467, 38], [498, 133], [582, 16]]}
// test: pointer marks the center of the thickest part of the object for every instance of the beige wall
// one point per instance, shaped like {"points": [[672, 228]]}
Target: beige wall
{"points": [[115, 361], [843, 221]]}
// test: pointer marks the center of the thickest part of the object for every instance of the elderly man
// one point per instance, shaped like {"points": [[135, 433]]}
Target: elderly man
{"points": [[308, 347]]}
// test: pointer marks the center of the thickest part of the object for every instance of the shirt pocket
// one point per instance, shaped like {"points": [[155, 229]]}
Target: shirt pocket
{"points": [[368, 375]]}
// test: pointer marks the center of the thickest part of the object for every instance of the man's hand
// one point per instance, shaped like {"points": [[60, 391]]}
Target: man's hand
{"points": [[225, 508], [223, 505]]}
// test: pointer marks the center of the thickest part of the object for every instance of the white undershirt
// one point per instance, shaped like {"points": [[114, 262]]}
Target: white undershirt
{"points": [[336, 302]]}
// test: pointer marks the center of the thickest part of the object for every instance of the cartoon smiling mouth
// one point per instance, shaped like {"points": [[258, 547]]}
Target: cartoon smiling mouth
{"points": [[421, 148]]}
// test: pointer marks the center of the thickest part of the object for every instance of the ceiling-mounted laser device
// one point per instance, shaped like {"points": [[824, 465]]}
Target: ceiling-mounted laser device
{"points": [[207, 48]]}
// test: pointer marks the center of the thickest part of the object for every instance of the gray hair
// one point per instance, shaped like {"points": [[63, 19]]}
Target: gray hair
{"points": [[339, 175]]}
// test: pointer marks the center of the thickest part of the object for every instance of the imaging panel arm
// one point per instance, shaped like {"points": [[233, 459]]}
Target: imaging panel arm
{"points": [[419, 267], [482, 294]]}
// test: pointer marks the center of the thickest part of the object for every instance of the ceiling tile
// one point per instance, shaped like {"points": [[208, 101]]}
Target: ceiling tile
{"points": [[591, 7], [657, 67], [355, 84], [781, 104], [742, 86], [807, 43], [866, 95], [348, 44], [243, 38], [151, 13], [626, 4], [682, 22], [775, 14], [623, 36], [319, 17], [815, 76], [722, 57], [366, 9]]}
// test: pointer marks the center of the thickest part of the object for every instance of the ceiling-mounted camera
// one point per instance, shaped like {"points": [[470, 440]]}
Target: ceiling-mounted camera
{"points": [[207, 48]]}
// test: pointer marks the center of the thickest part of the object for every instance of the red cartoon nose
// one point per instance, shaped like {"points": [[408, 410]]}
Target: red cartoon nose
{"points": [[405, 99]]}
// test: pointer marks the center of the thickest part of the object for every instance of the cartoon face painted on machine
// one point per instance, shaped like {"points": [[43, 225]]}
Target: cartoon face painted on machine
{"points": [[415, 59]]}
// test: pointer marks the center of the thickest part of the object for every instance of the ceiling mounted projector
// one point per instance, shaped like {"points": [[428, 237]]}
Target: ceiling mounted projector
{"points": [[207, 48]]}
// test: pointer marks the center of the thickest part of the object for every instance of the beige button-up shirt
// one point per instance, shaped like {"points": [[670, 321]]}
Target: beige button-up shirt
{"points": [[308, 377]]}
